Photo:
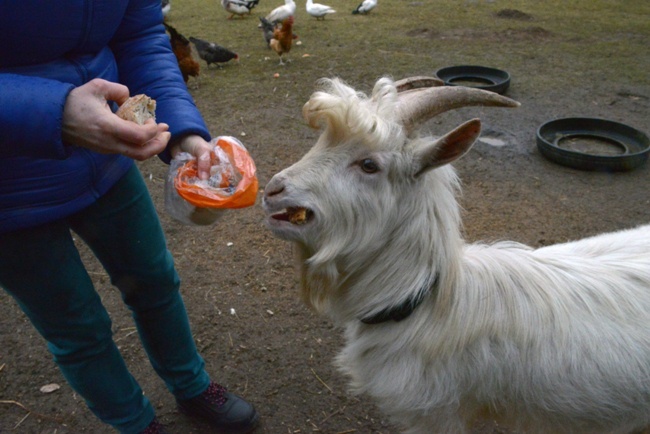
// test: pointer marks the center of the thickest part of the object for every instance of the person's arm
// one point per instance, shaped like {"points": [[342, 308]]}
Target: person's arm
{"points": [[31, 115], [147, 65]]}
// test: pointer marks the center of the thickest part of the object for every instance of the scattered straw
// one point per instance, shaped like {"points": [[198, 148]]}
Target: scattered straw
{"points": [[21, 420], [321, 381], [340, 410], [42, 416]]}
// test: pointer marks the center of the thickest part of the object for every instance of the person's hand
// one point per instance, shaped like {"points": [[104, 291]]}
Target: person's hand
{"points": [[199, 149], [89, 122]]}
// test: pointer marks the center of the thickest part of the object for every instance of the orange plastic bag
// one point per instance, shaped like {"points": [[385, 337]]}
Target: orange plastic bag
{"points": [[237, 184], [232, 183]]}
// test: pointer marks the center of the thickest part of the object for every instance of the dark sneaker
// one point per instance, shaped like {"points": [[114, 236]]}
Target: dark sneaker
{"points": [[154, 427], [223, 410]]}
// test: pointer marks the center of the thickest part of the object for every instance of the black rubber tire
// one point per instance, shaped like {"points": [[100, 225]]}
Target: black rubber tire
{"points": [[635, 143], [495, 80]]}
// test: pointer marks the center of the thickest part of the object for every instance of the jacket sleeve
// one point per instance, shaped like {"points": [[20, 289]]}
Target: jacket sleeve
{"points": [[147, 65], [31, 115]]}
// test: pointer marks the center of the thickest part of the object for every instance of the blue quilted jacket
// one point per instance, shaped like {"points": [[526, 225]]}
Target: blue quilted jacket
{"points": [[49, 47]]}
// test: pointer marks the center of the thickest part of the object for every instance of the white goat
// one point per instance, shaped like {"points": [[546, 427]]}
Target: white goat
{"points": [[440, 332]]}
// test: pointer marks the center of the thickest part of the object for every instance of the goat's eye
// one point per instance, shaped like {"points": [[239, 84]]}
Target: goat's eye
{"points": [[369, 166]]}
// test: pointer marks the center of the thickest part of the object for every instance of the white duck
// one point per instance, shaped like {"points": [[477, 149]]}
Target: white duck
{"points": [[365, 6], [166, 7], [318, 10], [283, 12]]}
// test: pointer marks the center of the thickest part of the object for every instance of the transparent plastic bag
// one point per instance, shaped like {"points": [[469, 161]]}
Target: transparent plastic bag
{"points": [[232, 183]]}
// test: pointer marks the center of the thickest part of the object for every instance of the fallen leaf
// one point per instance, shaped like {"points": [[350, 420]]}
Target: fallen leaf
{"points": [[49, 388]]}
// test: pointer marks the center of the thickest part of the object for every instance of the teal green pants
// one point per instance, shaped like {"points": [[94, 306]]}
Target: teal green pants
{"points": [[41, 268]]}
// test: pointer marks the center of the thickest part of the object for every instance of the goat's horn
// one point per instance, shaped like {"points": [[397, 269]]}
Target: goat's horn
{"points": [[418, 105], [417, 83]]}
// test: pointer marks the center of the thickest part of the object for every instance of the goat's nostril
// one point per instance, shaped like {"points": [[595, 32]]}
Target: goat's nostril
{"points": [[273, 189]]}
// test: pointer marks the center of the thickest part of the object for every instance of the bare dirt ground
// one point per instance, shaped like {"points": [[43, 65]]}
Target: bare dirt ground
{"points": [[588, 59]]}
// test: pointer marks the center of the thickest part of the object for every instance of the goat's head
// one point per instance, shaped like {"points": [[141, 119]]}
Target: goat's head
{"points": [[366, 194]]}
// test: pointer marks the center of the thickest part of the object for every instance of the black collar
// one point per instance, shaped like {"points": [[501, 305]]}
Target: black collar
{"points": [[401, 311]]}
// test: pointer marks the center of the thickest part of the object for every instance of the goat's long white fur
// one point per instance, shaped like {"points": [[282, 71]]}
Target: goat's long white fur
{"points": [[549, 340]]}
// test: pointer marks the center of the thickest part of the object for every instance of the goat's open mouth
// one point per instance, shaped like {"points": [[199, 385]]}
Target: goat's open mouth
{"points": [[294, 215]]}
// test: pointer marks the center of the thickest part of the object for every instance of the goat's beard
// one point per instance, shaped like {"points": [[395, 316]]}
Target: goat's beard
{"points": [[318, 284], [312, 288]]}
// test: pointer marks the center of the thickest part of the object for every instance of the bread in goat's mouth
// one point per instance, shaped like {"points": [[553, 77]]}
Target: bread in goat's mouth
{"points": [[298, 215]]}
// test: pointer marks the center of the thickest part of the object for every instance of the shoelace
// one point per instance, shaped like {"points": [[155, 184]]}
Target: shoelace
{"points": [[215, 394]]}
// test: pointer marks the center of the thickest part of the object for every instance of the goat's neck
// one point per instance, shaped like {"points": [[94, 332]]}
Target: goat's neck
{"points": [[386, 280]]}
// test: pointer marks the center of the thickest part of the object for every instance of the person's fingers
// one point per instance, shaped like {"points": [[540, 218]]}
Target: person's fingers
{"points": [[196, 146], [132, 133], [157, 144], [147, 150], [200, 149], [161, 126], [203, 165], [111, 91]]}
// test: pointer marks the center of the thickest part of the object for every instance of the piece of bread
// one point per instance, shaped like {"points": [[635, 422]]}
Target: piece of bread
{"points": [[297, 216], [138, 109]]}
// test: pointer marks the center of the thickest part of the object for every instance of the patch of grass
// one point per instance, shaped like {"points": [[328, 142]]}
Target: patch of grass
{"points": [[410, 36], [565, 43]]}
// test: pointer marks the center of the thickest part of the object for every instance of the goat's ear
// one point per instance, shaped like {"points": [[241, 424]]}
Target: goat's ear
{"points": [[448, 148]]}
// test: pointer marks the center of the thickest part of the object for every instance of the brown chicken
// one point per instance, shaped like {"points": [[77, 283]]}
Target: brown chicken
{"points": [[282, 38], [183, 51]]}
